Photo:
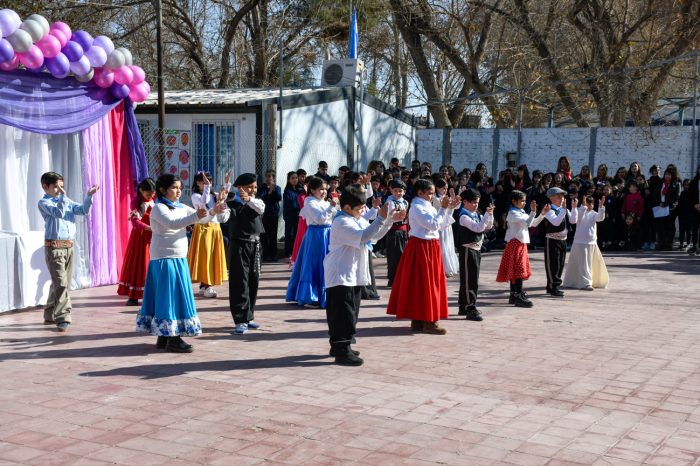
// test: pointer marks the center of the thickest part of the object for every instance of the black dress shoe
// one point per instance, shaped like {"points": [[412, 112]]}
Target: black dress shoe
{"points": [[521, 301], [346, 357], [462, 311], [334, 352], [474, 314], [178, 345], [556, 292], [162, 342], [132, 302]]}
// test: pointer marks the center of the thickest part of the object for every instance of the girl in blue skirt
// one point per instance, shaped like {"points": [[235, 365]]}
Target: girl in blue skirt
{"points": [[167, 308], [306, 286]]}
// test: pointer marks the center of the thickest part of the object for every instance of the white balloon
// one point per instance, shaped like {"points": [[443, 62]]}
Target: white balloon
{"points": [[20, 40], [115, 60], [41, 20], [34, 28], [128, 58], [86, 77]]}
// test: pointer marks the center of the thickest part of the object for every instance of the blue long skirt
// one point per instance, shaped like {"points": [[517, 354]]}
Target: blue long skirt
{"points": [[307, 285], [168, 306]]}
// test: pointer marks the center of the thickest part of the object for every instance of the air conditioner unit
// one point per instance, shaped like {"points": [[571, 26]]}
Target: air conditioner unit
{"points": [[342, 73]]}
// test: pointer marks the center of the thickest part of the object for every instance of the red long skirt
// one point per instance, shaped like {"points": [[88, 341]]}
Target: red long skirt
{"points": [[515, 263], [419, 291], [133, 275]]}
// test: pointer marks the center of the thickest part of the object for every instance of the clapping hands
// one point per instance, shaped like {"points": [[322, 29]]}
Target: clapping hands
{"points": [[93, 189]]}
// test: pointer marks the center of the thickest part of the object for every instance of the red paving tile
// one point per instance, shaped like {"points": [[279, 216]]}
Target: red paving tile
{"points": [[595, 378]]}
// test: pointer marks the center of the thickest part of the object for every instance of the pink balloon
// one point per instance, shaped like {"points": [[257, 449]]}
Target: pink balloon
{"points": [[49, 46], [32, 58], [10, 64], [138, 92], [139, 74], [60, 35], [63, 27], [103, 78], [123, 75]]}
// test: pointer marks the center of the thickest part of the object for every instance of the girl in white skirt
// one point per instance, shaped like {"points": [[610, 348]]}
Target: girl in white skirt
{"points": [[450, 259], [586, 269]]}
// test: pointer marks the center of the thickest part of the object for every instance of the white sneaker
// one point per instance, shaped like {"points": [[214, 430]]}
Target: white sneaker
{"points": [[208, 292]]}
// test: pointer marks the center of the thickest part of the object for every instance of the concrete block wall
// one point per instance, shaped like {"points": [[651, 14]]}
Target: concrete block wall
{"points": [[542, 147]]}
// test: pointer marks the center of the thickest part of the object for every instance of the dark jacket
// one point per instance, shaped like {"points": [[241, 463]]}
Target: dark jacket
{"points": [[290, 204], [245, 222], [672, 196], [271, 200]]}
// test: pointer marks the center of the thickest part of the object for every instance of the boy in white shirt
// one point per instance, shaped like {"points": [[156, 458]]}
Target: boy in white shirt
{"points": [[346, 268]]}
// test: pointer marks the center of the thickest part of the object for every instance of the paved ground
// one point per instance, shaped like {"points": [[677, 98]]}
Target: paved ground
{"points": [[604, 377]]}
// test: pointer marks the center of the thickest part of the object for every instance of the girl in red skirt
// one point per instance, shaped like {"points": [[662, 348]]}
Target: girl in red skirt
{"points": [[419, 291], [515, 263], [133, 275]]}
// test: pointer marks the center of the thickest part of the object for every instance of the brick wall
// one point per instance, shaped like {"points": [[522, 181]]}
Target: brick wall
{"points": [[542, 147]]}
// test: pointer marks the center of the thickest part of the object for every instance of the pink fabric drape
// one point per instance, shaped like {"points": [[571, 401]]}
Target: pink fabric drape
{"points": [[123, 182], [97, 156]]}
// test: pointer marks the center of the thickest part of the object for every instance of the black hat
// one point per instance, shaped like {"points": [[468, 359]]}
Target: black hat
{"points": [[397, 184], [245, 179]]}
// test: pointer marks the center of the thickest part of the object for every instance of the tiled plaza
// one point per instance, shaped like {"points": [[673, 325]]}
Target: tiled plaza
{"points": [[604, 377]]}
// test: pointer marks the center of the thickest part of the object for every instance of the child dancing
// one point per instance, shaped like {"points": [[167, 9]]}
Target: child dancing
{"points": [[586, 268], [137, 256], [419, 291]]}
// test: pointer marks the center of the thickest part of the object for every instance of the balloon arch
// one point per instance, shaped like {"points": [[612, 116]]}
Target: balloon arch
{"points": [[38, 45]]}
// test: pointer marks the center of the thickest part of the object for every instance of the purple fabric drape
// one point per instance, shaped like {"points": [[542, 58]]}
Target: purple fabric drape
{"points": [[101, 221], [40, 103], [133, 136]]}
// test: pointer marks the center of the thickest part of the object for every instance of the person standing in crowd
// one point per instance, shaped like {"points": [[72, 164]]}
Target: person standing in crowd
{"points": [[168, 310], [271, 195], [419, 291], [301, 223], [290, 212], [346, 268], [244, 248], [306, 286], [666, 198], [555, 234], [323, 171], [471, 239], [133, 275], [397, 237], [59, 212], [632, 208], [207, 256], [602, 176], [564, 167], [515, 263], [447, 242], [633, 172], [685, 212], [586, 268]]}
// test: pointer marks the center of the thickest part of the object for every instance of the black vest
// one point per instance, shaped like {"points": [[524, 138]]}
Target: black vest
{"points": [[399, 206], [245, 222], [549, 228], [467, 236]]}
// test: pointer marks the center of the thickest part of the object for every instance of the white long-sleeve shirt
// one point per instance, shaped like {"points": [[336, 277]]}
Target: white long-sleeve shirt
{"points": [[425, 221], [169, 240], [585, 220], [207, 200], [486, 223], [347, 262], [518, 222], [317, 211], [555, 219]]}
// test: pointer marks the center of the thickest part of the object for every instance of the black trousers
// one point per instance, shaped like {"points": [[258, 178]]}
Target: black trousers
{"points": [[694, 227], [370, 291], [244, 276], [290, 234], [342, 309], [469, 265], [665, 230], [269, 238], [554, 260], [395, 244]]}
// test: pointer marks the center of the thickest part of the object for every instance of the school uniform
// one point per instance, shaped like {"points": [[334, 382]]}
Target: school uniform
{"points": [[419, 292], [396, 239], [586, 268], [555, 232], [471, 237], [346, 272], [245, 257]]}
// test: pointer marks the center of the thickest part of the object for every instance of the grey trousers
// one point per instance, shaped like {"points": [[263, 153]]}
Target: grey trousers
{"points": [[60, 264]]}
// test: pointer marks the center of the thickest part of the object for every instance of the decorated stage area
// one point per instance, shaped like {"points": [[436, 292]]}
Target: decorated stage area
{"points": [[66, 105], [598, 378]]}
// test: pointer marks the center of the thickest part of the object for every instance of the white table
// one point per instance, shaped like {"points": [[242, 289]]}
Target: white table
{"points": [[24, 278]]}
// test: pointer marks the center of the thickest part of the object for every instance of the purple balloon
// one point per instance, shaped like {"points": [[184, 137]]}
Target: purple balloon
{"points": [[58, 66], [120, 91], [104, 42], [96, 55], [72, 50], [83, 39], [81, 67], [9, 22], [6, 51]]}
